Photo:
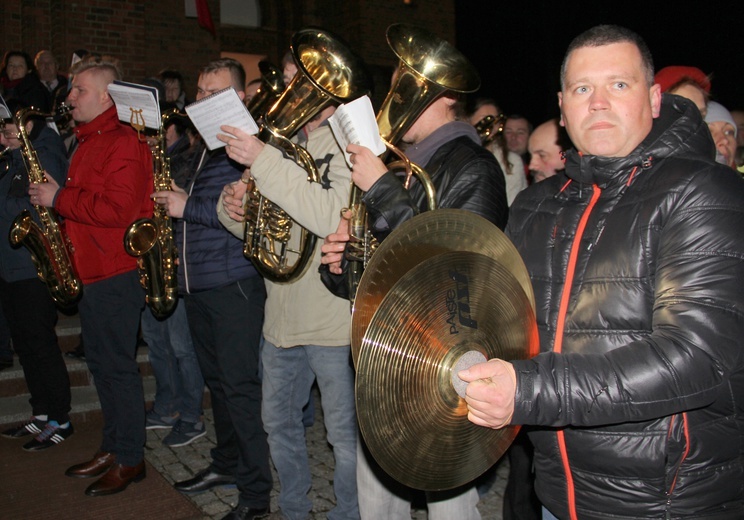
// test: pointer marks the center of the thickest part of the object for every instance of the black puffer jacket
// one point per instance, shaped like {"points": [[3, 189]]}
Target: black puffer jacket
{"points": [[643, 409], [465, 176]]}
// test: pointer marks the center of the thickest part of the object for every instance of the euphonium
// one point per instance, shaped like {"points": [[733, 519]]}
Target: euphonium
{"points": [[428, 67], [51, 250], [272, 85], [328, 71], [151, 240]]}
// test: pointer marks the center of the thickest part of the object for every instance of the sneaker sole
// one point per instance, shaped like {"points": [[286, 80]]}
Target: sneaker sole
{"points": [[158, 427], [180, 444]]}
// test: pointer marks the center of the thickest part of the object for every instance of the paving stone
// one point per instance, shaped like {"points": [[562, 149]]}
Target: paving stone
{"points": [[177, 464]]}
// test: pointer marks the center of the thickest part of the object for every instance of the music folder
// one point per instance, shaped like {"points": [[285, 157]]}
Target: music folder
{"points": [[355, 123], [136, 104], [221, 108], [4, 110]]}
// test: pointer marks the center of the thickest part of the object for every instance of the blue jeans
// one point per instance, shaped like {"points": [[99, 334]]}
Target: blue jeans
{"points": [[288, 375], [381, 496], [547, 515], [179, 384]]}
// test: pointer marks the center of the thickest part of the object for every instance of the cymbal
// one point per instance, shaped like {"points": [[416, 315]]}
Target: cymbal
{"points": [[426, 235], [447, 308]]}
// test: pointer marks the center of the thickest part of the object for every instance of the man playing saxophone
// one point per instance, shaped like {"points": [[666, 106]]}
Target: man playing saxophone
{"points": [[108, 186], [26, 302]]}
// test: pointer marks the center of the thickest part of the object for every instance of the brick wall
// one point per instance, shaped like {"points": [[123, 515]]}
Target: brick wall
{"points": [[149, 36]]}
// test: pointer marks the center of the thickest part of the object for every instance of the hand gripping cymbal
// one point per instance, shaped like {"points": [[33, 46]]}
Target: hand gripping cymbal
{"points": [[422, 237], [446, 313]]}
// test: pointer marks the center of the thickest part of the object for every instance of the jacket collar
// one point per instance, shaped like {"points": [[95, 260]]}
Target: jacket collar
{"points": [[679, 130], [105, 122]]}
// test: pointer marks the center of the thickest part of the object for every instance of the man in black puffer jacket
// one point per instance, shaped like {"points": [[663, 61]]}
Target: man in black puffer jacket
{"points": [[636, 257]]}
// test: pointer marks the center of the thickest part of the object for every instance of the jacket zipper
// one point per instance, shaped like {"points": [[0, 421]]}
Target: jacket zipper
{"points": [[558, 344], [684, 457]]}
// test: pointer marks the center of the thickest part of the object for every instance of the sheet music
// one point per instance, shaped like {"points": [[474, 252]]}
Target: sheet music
{"points": [[4, 110], [136, 104], [221, 108], [355, 122]]}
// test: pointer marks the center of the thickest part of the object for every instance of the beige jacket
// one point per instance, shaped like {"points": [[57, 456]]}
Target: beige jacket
{"points": [[304, 312]]}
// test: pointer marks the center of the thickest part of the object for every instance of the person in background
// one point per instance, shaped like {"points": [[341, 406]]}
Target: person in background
{"points": [[509, 161], [547, 144], [517, 130], [724, 131], [635, 253], [688, 82], [738, 116], [174, 90], [19, 81], [47, 69]]}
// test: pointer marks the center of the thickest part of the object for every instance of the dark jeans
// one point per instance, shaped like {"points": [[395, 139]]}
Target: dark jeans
{"points": [[226, 326], [109, 318], [32, 316]]}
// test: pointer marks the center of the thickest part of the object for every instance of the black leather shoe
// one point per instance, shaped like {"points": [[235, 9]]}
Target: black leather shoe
{"points": [[246, 513], [205, 480]]}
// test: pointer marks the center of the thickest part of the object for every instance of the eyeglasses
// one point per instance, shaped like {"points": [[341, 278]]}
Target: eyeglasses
{"points": [[9, 134]]}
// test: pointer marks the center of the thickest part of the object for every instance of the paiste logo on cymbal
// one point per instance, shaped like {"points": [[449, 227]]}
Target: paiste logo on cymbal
{"points": [[457, 301]]}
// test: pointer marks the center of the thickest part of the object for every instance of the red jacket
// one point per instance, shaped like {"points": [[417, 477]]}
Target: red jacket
{"points": [[108, 187]]}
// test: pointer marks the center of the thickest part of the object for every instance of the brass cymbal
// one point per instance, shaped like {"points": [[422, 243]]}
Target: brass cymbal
{"points": [[410, 414], [426, 235]]}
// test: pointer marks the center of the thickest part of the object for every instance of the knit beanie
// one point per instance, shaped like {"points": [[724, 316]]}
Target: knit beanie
{"points": [[717, 112]]}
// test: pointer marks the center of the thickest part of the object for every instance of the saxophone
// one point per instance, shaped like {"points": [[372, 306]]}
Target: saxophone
{"points": [[51, 250], [151, 240]]}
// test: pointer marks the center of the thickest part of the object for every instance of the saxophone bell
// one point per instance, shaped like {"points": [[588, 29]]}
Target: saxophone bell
{"points": [[151, 241], [50, 248]]}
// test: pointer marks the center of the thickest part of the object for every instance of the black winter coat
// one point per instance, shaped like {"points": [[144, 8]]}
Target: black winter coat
{"points": [[465, 175], [638, 269]]}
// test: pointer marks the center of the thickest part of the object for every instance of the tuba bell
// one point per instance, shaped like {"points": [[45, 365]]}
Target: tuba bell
{"points": [[428, 68], [328, 72], [272, 86]]}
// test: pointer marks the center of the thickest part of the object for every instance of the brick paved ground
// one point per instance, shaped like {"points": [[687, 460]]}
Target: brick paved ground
{"points": [[177, 464]]}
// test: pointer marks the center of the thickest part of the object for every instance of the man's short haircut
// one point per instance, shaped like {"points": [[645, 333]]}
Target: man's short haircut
{"points": [[237, 72], [514, 117], [602, 35], [106, 64]]}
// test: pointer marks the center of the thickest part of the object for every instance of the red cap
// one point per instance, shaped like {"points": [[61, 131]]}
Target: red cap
{"points": [[669, 76]]}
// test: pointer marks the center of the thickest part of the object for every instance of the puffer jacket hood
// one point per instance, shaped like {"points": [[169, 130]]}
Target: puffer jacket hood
{"points": [[637, 265]]}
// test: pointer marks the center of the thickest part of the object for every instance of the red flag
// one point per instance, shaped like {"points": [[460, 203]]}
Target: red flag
{"points": [[203, 16]]}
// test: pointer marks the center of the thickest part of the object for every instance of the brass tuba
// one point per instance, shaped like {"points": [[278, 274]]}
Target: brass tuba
{"points": [[428, 67], [328, 72], [151, 240], [272, 86], [51, 250]]}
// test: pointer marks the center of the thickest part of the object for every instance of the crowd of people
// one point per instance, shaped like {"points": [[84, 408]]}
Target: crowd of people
{"points": [[626, 210]]}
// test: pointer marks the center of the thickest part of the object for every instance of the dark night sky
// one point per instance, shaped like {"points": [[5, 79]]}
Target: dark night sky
{"points": [[518, 47]]}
